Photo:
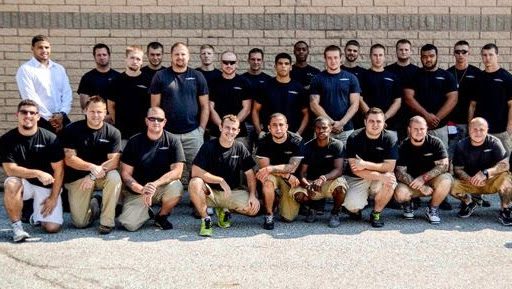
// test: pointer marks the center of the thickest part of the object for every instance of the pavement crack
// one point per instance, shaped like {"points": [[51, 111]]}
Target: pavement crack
{"points": [[26, 262], [52, 282]]}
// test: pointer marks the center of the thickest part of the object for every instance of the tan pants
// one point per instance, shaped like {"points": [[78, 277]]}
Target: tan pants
{"points": [[433, 183], [79, 200], [135, 213], [359, 191], [500, 184], [288, 206], [237, 201]]}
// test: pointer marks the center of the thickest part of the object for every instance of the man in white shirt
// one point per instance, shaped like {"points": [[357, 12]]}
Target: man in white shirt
{"points": [[46, 83]]}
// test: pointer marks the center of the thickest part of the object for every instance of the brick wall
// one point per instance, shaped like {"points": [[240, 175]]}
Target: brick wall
{"points": [[74, 26]]}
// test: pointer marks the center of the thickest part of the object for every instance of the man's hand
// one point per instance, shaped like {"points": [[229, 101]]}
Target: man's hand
{"points": [[432, 120], [337, 126], [479, 179], [225, 187], [426, 190], [358, 165], [97, 171], [293, 181], [417, 183], [253, 206], [87, 183], [48, 205], [45, 178], [263, 173], [388, 179], [56, 121]]}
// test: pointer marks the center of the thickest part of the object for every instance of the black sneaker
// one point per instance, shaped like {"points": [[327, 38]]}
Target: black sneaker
{"points": [[311, 217], [269, 222], [445, 206], [505, 217], [375, 220], [467, 209], [162, 222], [27, 210], [479, 199]]}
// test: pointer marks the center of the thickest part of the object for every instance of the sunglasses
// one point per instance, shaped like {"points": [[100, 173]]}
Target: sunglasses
{"points": [[28, 112], [460, 52], [228, 62], [155, 119]]}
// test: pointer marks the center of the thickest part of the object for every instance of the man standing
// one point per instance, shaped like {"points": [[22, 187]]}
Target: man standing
{"points": [[92, 150], [216, 178], [97, 81], [182, 93], [151, 167], [283, 95], [129, 98], [302, 71], [46, 83], [494, 99], [351, 55], [422, 170], [207, 68], [155, 54], [278, 156], [32, 158], [320, 173], [480, 166], [432, 93], [372, 152], [335, 94]]}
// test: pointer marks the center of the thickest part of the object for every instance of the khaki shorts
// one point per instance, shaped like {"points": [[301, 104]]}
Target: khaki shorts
{"points": [[288, 207], [326, 191], [359, 191], [500, 183], [433, 183], [237, 201]]}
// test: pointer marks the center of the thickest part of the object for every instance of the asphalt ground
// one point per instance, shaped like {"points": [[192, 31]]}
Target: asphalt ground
{"points": [[459, 253]]}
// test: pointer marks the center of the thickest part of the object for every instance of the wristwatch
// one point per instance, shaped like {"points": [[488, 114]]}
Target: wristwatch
{"points": [[486, 173]]}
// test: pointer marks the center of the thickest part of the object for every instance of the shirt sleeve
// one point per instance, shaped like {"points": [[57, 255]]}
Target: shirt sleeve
{"points": [[25, 84], [155, 87], [116, 140], [450, 84], [202, 86], [128, 156], [56, 151], [354, 84], [66, 93], [178, 153], [392, 149], [247, 160]]}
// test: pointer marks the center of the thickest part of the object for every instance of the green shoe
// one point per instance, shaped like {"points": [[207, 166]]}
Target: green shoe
{"points": [[206, 228], [223, 218]]}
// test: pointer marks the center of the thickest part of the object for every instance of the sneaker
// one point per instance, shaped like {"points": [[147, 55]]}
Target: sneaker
{"points": [[408, 212], [445, 206], [33, 222], [311, 217], [105, 230], [223, 218], [375, 220], [18, 234], [355, 216], [162, 222], [27, 210], [334, 221], [432, 214], [467, 209], [206, 228], [505, 217], [95, 205], [479, 199], [269, 222], [210, 211]]}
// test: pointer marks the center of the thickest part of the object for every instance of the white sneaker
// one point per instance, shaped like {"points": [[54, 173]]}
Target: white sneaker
{"points": [[18, 234], [210, 211], [433, 215]]}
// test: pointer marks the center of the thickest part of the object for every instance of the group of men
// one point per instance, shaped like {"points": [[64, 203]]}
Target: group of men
{"points": [[151, 130]]}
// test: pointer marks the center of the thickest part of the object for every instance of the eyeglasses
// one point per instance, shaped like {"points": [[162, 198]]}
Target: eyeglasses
{"points": [[460, 51], [229, 62], [28, 112], [155, 119]]}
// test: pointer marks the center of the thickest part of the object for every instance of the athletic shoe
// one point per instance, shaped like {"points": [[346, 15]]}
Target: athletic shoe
{"points": [[95, 205], [479, 199], [223, 218], [432, 214], [105, 230], [408, 212], [206, 228], [376, 220], [334, 221], [269, 222], [311, 217], [467, 209], [210, 211], [355, 216], [445, 206], [18, 234], [33, 222], [27, 210], [162, 222], [505, 217]]}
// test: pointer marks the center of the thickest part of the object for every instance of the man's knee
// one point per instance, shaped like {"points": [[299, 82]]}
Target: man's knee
{"points": [[195, 185], [402, 194], [268, 187], [51, 227], [12, 186]]}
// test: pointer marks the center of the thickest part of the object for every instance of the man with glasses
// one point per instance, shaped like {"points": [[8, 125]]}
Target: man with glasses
{"points": [[32, 158], [151, 168], [92, 149]]}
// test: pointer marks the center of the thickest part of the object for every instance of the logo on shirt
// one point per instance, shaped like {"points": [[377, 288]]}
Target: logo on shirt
{"points": [[440, 78], [329, 156], [288, 152], [487, 150], [235, 157], [428, 154], [190, 78], [389, 79], [142, 86], [379, 148], [262, 81], [470, 76], [163, 148], [292, 92], [237, 88], [498, 80], [103, 140], [344, 79], [39, 145]]}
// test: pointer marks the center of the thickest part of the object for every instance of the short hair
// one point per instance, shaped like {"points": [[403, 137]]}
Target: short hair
{"points": [[275, 115], [478, 120], [155, 109], [38, 38], [300, 42], [133, 48], [281, 56], [373, 110], [100, 46], [230, 117], [322, 119], [461, 42], [353, 42], [490, 46], [256, 50], [27, 102], [375, 46], [94, 99], [205, 46], [154, 45], [332, 48], [229, 52], [417, 119], [403, 41], [178, 44], [428, 47]]}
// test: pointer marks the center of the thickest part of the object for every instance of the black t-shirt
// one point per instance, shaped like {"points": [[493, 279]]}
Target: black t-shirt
{"points": [[420, 159], [150, 72], [374, 150], [257, 82], [228, 95], [151, 159], [492, 100], [211, 76], [304, 75], [36, 152], [132, 101], [287, 98], [91, 145], [478, 158], [180, 97], [97, 83], [403, 73], [430, 89], [381, 89], [320, 160], [334, 91], [468, 85], [224, 162], [357, 70], [279, 153]]}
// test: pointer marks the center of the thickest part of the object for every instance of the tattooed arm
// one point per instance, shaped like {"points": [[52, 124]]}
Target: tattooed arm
{"points": [[461, 174], [440, 168], [501, 166], [402, 175], [129, 181]]}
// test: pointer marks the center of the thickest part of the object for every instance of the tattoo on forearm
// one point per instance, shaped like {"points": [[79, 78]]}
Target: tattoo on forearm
{"points": [[460, 173], [69, 152], [440, 168], [129, 182], [402, 175], [501, 166]]}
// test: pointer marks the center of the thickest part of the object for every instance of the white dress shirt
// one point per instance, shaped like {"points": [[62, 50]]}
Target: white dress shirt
{"points": [[47, 86]]}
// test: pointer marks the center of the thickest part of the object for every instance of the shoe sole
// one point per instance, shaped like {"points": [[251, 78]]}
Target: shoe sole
{"points": [[408, 217], [503, 222], [20, 239]]}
